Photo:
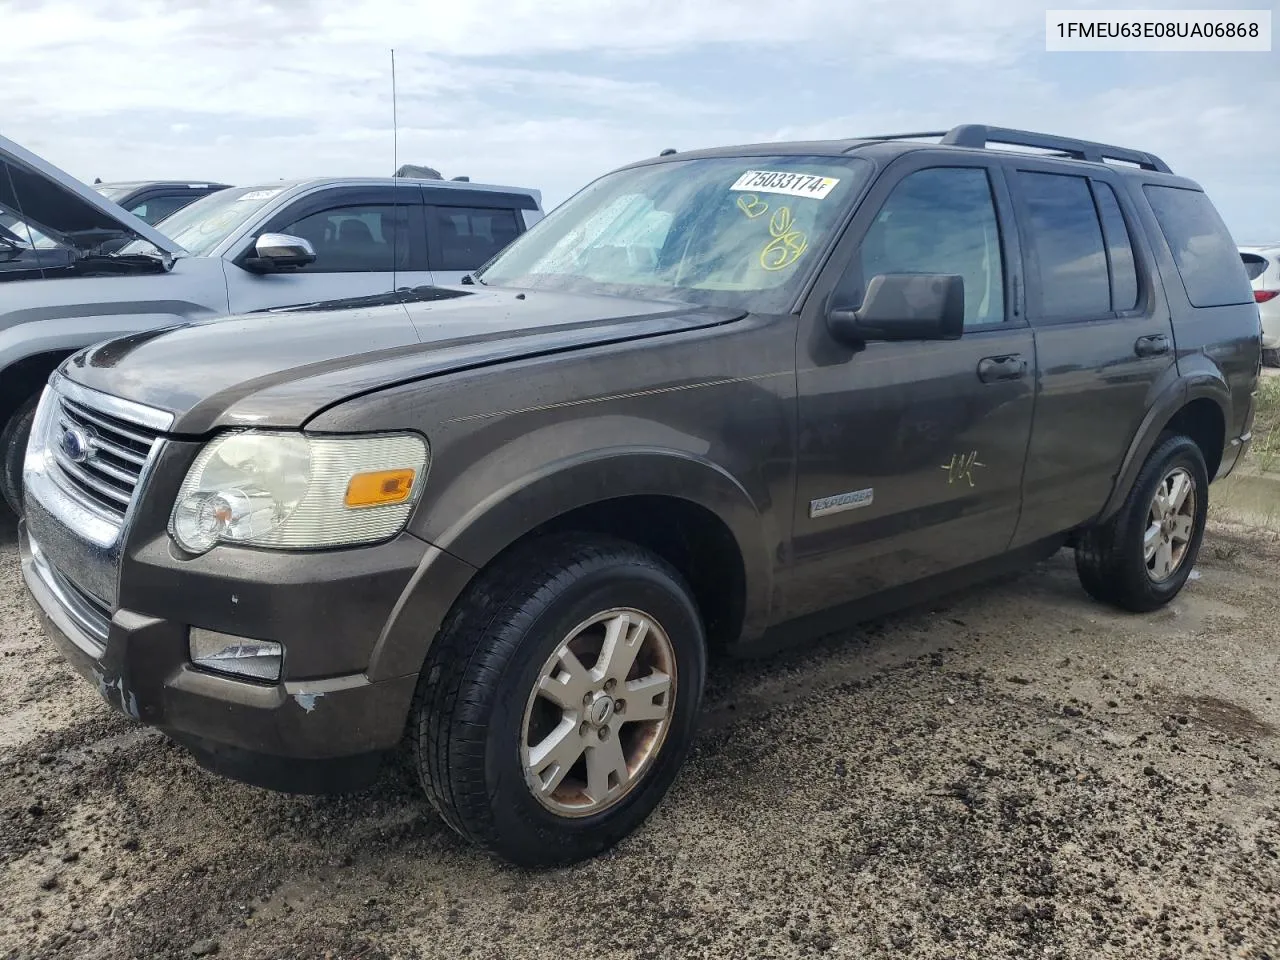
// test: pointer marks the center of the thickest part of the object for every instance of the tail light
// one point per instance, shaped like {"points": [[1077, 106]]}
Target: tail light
{"points": [[1262, 296]]}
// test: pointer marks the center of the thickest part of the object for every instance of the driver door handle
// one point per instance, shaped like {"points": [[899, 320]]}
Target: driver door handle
{"points": [[997, 369], [1152, 346]]}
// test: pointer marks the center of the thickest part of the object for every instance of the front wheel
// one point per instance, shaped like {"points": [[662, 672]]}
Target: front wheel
{"points": [[1141, 558], [560, 698], [13, 448]]}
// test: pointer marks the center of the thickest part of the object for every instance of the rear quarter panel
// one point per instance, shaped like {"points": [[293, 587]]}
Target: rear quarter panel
{"points": [[1218, 348]]}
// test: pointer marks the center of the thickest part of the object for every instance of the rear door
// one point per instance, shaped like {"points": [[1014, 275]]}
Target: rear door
{"points": [[1103, 337], [467, 228], [368, 240], [911, 454]]}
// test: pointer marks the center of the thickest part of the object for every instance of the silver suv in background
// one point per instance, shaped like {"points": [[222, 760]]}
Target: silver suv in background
{"points": [[1262, 264], [76, 268]]}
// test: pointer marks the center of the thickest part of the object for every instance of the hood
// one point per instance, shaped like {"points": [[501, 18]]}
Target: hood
{"points": [[45, 196], [281, 367]]}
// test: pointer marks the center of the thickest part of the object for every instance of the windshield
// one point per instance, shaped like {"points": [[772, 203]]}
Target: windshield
{"points": [[734, 231], [202, 225], [25, 232]]}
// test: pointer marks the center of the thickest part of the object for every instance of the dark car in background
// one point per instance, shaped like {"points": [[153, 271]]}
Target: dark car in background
{"points": [[153, 200]]}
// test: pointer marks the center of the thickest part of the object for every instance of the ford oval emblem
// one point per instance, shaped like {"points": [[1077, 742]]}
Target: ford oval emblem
{"points": [[76, 444]]}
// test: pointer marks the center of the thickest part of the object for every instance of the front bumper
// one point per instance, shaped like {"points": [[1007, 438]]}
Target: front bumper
{"points": [[300, 735]]}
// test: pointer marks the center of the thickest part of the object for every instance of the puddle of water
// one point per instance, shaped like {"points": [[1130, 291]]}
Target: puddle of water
{"points": [[1253, 498]]}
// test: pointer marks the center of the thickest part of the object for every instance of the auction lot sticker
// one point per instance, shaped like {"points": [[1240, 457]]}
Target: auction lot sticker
{"points": [[791, 184]]}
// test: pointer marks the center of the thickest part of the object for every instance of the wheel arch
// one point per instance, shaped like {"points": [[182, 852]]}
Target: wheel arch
{"points": [[711, 531], [1198, 407]]}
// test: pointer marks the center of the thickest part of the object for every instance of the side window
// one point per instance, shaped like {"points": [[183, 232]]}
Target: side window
{"points": [[1207, 258], [1254, 265], [1124, 274], [1066, 241], [941, 220], [359, 239], [468, 236]]}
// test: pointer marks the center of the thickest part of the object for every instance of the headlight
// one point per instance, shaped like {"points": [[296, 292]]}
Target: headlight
{"points": [[295, 492]]}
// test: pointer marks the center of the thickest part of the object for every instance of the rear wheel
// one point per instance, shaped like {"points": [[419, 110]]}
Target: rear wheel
{"points": [[1141, 558], [13, 448], [1271, 358], [559, 700]]}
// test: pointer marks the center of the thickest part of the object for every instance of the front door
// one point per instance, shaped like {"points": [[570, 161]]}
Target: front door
{"points": [[911, 454], [368, 240]]}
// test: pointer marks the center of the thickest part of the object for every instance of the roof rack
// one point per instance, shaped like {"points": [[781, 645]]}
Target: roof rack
{"points": [[979, 135]]}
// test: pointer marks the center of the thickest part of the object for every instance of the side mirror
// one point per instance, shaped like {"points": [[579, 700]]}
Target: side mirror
{"points": [[904, 306], [279, 251]]}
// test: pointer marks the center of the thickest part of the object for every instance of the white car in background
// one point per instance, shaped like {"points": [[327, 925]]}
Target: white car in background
{"points": [[1262, 263]]}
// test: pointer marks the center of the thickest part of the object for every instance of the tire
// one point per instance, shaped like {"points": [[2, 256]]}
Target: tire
{"points": [[13, 446], [476, 713], [1112, 560], [1271, 358]]}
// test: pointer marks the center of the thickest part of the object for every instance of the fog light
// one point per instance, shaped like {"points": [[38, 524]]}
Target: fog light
{"points": [[240, 656]]}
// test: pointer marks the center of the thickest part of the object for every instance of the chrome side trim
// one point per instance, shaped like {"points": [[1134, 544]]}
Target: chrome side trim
{"points": [[140, 414]]}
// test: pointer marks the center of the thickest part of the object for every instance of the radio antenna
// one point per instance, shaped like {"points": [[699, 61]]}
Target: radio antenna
{"points": [[395, 178]]}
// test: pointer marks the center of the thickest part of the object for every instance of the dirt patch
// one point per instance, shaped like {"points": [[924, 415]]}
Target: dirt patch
{"points": [[1216, 713], [1004, 774]]}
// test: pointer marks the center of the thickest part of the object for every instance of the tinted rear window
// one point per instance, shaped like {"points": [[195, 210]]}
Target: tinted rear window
{"points": [[1207, 258], [1066, 238], [1254, 265]]}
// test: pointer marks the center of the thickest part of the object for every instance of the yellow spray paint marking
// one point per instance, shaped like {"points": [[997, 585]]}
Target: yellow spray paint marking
{"points": [[752, 205], [961, 467], [788, 243]]}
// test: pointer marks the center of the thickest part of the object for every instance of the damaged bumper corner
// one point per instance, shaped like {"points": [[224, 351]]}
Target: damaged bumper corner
{"points": [[313, 736]]}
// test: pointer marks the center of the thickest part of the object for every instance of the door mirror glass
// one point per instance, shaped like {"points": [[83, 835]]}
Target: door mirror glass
{"points": [[279, 251], [904, 306]]}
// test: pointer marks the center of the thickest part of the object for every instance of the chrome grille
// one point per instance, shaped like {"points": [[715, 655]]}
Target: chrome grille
{"points": [[88, 612], [100, 455]]}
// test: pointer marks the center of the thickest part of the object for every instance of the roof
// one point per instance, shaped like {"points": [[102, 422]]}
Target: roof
{"points": [[135, 184], [967, 137], [389, 181]]}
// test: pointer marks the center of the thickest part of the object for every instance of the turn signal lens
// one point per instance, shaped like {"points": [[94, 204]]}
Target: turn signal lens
{"points": [[379, 488]]}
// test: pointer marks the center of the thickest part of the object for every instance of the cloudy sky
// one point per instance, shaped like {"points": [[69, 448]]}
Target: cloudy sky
{"points": [[551, 93]]}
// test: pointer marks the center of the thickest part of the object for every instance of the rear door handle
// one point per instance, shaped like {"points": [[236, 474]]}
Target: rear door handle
{"points": [[996, 369], [1152, 346]]}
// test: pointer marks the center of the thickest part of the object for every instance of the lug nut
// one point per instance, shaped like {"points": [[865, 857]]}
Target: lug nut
{"points": [[619, 706], [610, 684], [584, 729], [604, 733], [586, 699]]}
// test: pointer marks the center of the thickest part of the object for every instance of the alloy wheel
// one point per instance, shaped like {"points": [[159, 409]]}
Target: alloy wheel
{"points": [[599, 712]]}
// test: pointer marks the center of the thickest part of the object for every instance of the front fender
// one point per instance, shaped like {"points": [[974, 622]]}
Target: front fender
{"points": [[497, 520], [474, 537], [69, 334]]}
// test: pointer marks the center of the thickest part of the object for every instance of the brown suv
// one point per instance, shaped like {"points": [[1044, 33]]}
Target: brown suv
{"points": [[713, 394]]}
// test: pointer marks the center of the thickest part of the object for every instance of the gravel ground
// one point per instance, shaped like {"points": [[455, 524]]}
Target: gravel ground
{"points": [[1013, 772]]}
